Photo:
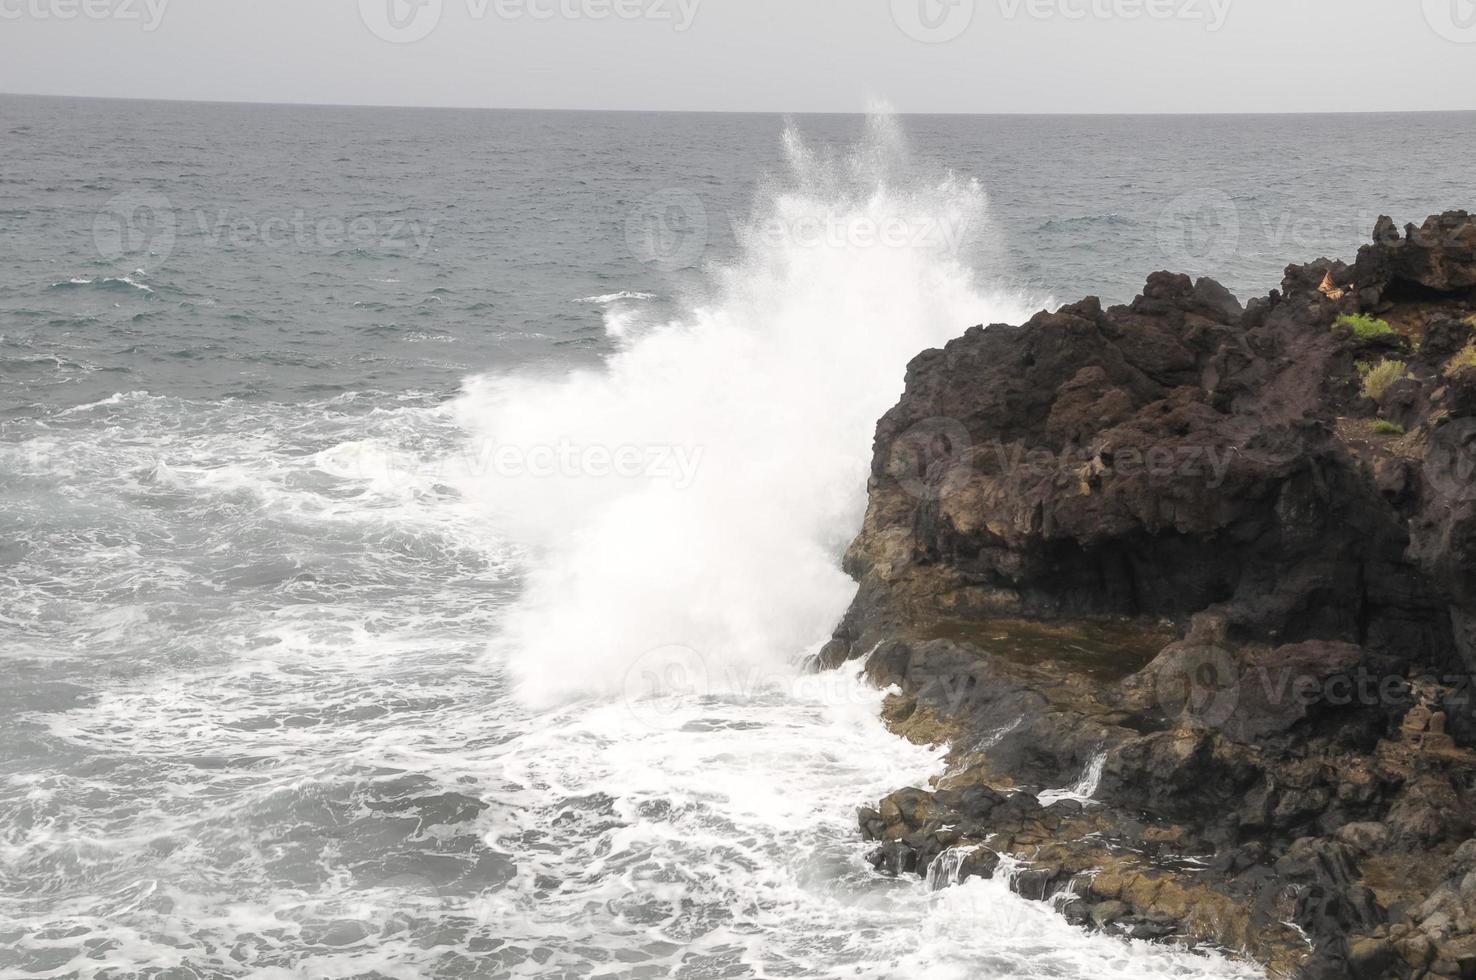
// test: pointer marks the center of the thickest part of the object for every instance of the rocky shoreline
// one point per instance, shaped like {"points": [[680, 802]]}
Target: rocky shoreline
{"points": [[1188, 589]]}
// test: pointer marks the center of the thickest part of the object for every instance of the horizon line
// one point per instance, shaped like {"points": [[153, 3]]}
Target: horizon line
{"points": [[715, 112]]}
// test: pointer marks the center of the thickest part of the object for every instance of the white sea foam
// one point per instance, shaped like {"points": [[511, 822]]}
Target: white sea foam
{"points": [[108, 281], [1085, 786], [721, 844], [776, 381], [607, 298]]}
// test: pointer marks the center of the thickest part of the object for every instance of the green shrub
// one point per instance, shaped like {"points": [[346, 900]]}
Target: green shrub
{"points": [[1378, 377], [1365, 327], [1384, 427]]}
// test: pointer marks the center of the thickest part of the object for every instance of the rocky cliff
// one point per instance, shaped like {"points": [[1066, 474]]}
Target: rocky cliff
{"points": [[1189, 588]]}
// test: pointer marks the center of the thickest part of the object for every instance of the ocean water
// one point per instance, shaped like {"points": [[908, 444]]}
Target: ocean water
{"points": [[411, 521]]}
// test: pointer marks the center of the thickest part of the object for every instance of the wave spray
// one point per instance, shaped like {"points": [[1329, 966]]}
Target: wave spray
{"points": [[699, 490]]}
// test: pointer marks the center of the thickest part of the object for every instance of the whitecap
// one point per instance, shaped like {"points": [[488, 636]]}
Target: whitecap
{"points": [[607, 298]]}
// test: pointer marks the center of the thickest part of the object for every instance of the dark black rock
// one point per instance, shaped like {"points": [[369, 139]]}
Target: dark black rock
{"points": [[1165, 543]]}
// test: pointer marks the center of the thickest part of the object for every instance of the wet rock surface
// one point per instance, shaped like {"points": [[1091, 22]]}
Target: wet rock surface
{"points": [[1192, 599]]}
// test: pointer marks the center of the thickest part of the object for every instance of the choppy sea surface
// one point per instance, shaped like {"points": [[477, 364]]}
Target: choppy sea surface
{"points": [[410, 521]]}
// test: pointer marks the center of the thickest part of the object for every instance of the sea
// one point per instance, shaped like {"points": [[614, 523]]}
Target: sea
{"points": [[414, 523]]}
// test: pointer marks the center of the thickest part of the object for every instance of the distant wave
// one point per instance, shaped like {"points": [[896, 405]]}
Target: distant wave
{"points": [[118, 398], [17, 365], [614, 297], [109, 282]]}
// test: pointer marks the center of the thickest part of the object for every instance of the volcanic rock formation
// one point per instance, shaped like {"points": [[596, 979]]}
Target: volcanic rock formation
{"points": [[1214, 568]]}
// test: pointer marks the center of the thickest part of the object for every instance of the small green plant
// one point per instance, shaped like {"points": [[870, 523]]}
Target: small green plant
{"points": [[1377, 378], [1464, 358], [1384, 427], [1365, 327], [1470, 321]]}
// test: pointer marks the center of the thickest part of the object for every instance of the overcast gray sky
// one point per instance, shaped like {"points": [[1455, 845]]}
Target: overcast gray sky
{"points": [[771, 55]]}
